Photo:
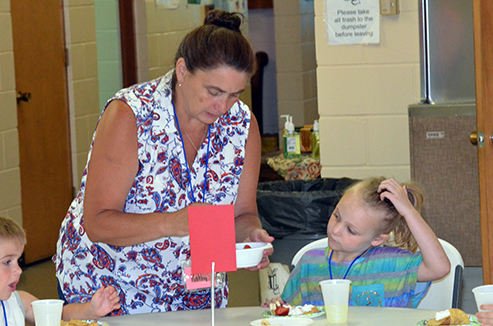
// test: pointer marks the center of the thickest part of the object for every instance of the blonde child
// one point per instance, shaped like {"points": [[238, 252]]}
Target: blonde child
{"points": [[16, 305], [373, 235]]}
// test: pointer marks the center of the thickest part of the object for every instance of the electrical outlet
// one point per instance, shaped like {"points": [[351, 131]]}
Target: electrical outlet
{"points": [[389, 7]]}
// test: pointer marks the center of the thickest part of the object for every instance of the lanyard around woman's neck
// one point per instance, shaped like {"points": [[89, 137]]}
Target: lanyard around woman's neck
{"points": [[185, 155], [351, 265]]}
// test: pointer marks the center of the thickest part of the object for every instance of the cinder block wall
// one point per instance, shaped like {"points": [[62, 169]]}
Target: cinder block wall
{"points": [[10, 179], [295, 61], [363, 94], [82, 75]]}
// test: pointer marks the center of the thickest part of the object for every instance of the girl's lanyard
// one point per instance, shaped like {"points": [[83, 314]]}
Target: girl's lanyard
{"points": [[351, 265], [4, 314], [185, 155]]}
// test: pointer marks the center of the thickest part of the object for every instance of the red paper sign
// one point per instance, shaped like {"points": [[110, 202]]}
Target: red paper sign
{"points": [[212, 238]]}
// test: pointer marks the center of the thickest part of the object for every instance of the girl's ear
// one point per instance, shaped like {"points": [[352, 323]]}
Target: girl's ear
{"points": [[380, 240]]}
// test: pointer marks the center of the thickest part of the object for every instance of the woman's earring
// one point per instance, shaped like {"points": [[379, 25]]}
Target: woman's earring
{"points": [[179, 84]]}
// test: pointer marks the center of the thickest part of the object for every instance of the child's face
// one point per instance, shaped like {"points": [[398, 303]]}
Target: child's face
{"points": [[351, 229], [10, 272]]}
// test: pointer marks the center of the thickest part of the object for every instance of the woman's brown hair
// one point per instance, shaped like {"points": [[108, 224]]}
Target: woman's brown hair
{"points": [[218, 42]]}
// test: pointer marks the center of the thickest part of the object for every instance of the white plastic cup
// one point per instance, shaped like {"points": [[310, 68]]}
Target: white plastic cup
{"points": [[483, 295], [336, 298], [47, 312]]}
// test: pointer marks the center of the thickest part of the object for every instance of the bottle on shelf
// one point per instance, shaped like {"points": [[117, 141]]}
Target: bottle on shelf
{"points": [[291, 141], [286, 124], [315, 141]]}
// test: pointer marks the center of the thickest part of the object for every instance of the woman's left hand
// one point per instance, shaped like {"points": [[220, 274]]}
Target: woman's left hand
{"points": [[260, 235]]}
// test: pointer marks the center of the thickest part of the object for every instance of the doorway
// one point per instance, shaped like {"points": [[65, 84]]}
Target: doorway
{"points": [[110, 77], [116, 46], [43, 122]]}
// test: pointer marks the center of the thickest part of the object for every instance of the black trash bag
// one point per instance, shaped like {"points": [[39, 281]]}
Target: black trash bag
{"points": [[299, 207]]}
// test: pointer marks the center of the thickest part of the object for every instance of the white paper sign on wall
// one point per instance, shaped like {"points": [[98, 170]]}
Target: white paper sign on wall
{"points": [[168, 4], [352, 21]]}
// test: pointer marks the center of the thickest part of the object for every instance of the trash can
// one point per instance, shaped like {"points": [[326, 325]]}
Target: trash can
{"points": [[297, 212]]}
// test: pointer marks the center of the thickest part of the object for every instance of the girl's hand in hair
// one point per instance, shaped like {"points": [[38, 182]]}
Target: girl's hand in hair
{"points": [[435, 264], [398, 196]]}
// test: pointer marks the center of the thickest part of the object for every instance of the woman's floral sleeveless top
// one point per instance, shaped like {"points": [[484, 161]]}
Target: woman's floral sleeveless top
{"points": [[148, 276]]}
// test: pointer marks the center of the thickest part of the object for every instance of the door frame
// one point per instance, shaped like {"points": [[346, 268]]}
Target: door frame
{"points": [[128, 42], [483, 46]]}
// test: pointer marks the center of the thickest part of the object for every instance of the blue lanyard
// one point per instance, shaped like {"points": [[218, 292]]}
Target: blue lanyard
{"points": [[4, 314], [185, 155], [351, 265]]}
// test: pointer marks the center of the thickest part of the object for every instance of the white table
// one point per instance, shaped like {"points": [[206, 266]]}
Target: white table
{"points": [[358, 316]]}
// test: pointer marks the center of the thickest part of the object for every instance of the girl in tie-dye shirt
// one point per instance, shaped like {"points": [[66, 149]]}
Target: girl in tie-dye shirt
{"points": [[373, 235]]}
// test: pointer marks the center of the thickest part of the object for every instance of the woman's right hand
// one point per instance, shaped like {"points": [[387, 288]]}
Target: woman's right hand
{"points": [[178, 224]]}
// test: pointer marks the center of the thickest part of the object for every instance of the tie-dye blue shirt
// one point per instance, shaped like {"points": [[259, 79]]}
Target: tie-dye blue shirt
{"points": [[383, 276]]}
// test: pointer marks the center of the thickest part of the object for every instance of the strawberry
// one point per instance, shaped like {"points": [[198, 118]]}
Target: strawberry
{"points": [[282, 311]]}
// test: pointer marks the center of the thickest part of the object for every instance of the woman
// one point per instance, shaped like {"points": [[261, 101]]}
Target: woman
{"points": [[181, 140]]}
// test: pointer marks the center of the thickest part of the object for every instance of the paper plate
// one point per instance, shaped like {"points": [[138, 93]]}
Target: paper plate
{"points": [[284, 321], [268, 314], [473, 322]]}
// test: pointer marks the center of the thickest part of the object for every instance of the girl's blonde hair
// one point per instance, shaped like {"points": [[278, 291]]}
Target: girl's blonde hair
{"points": [[10, 230], [392, 222]]}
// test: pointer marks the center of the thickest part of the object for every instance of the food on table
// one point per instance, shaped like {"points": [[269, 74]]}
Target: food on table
{"points": [[282, 311], [78, 322], [286, 309], [303, 310], [449, 317]]}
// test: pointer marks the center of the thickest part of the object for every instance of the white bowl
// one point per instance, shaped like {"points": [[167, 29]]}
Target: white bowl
{"points": [[250, 257], [284, 321]]}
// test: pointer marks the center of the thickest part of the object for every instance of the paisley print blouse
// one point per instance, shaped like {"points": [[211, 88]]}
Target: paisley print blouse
{"points": [[148, 276]]}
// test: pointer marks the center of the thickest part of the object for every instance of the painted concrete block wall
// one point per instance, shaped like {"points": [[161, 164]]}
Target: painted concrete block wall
{"points": [[165, 30], [108, 49], [82, 76], [363, 94], [10, 181], [295, 60]]}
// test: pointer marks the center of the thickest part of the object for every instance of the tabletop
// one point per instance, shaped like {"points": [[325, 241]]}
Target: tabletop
{"points": [[367, 316]]}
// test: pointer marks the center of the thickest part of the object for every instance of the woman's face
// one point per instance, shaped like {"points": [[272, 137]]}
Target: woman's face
{"points": [[208, 94]]}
